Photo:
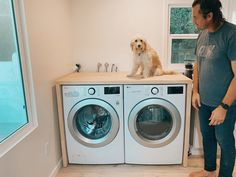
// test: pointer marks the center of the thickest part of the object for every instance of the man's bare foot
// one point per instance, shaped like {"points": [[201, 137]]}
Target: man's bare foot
{"points": [[203, 173]]}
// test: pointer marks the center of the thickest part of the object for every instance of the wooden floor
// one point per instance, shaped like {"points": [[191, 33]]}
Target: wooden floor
{"points": [[125, 170]]}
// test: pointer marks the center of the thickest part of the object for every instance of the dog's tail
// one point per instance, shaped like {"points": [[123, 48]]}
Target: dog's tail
{"points": [[160, 72], [170, 72]]}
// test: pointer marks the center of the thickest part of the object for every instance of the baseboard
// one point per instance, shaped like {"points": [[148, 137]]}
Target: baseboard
{"points": [[56, 169], [197, 151]]}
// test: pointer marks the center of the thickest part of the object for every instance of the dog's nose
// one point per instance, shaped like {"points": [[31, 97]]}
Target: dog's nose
{"points": [[139, 46]]}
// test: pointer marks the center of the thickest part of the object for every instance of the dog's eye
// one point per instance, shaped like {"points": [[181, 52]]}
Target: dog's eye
{"points": [[136, 40], [141, 40]]}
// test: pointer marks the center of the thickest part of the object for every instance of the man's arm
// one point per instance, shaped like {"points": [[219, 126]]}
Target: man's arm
{"points": [[195, 97], [230, 95], [218, 115]]}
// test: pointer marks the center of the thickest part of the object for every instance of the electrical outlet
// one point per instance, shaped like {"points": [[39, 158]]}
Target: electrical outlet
{"points": [[46, 148]]}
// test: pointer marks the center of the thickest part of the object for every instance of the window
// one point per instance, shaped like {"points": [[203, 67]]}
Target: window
{"points": [[13, 109], [182, 36], [16, 109]]}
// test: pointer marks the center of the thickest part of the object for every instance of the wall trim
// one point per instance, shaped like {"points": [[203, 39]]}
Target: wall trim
{"points": [[56, 169]]}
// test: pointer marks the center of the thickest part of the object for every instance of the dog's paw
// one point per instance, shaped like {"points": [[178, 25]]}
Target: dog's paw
{"points": [[146, 76], [130, 75]]}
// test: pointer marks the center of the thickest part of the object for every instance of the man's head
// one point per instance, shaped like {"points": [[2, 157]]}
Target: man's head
{"points": [[207, 12]]}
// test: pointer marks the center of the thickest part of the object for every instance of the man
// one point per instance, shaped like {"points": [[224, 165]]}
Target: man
{"points": [[214, 86]]}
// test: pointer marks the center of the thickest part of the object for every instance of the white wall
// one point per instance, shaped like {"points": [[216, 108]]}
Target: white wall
{"points": [[232, 11], [104, 29], [48, 25]]}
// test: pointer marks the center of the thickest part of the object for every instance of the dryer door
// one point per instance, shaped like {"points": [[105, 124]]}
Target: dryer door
{"points": [[154, 122], [93, 122]]}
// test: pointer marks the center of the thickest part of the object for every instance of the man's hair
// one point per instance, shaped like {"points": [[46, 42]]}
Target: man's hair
{"points": [[207, 6]]}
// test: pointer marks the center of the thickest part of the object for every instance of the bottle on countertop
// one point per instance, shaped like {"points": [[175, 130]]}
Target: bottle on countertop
{"points": [[188, 70], [78, 67]]}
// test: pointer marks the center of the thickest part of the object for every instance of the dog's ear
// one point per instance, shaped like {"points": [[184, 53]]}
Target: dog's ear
{"points": [[145, 43], [132, 45]]}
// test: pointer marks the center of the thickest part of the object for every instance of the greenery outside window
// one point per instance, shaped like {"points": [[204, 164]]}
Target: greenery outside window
{"points": [[182, 36]]}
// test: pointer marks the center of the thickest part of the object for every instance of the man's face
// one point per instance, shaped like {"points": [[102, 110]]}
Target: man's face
{"points": [[198, 19]]}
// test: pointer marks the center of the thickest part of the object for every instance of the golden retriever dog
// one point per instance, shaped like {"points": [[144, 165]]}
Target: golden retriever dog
{"points": [[146, 59]]}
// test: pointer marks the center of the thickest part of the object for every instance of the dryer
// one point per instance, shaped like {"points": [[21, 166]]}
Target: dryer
{"points": [[93, 116], [154, 119]]}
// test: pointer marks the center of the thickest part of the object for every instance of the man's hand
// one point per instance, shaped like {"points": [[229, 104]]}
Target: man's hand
{"points": [[196, 100], [217, 116]]}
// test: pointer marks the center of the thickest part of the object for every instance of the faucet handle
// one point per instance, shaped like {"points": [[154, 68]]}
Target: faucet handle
{"points": [[106, 66], [99, 66], [112, 67]]}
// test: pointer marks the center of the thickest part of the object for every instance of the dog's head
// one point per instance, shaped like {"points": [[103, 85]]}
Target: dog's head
{"points": [[138, 45]]}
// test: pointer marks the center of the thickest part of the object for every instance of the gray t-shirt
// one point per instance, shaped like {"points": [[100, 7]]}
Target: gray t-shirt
{"points": [[215, 51]]}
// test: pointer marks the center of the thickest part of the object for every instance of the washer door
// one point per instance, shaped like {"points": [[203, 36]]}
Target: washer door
{"points": [[154, 122], [93, 122]]}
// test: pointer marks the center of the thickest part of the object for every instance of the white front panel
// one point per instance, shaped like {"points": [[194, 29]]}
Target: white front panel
{"points": [[78, 153], [137, 153]]}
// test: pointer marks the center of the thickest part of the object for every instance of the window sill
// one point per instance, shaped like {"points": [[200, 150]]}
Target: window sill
{"points": [[9, 143]]}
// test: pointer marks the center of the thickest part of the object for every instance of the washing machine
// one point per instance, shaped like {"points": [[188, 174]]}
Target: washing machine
{"points": [[154, 118], [93, 116]]}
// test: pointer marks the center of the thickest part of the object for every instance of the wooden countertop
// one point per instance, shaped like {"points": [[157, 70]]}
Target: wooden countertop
{"points": [[119, 78]]}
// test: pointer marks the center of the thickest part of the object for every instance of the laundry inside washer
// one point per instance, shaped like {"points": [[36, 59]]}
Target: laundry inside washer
{"points": [[93, 121]]}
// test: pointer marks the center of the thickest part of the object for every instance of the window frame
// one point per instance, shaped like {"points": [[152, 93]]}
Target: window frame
{"points": [[23, 47], [169, 37]]}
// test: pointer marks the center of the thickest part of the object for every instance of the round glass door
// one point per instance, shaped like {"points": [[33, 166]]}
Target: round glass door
{"points": [[93, 122], [154, 122]]}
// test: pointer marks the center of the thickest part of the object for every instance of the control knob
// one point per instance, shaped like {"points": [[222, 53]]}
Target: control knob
{"points": [[91, 91], [154, 90]]}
